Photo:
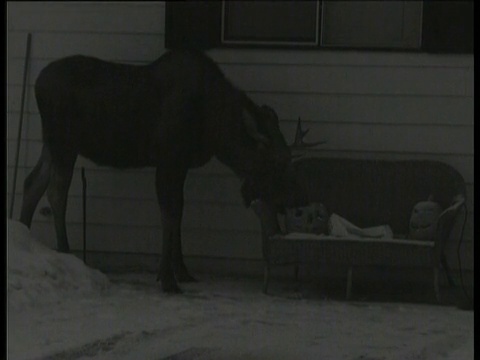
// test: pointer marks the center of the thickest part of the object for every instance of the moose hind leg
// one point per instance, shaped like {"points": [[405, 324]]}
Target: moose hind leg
{"points": [[35, 186], [60, 179]]}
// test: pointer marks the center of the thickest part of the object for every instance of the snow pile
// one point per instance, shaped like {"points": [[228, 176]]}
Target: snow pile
{"points": [[38, 275]]}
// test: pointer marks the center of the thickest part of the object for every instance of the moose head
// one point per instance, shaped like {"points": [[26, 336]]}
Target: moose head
{"points": [[274, 182]]}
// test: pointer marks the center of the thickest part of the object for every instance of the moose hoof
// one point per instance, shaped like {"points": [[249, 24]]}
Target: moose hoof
{"points": [[185, 277], [63, 249], [171, 289], [169, 285]]}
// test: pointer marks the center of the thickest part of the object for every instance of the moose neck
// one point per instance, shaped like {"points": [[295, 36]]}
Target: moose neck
{"points": [[241, 159], [235, 148]]}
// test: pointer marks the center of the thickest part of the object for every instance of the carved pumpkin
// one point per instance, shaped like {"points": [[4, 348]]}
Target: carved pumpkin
{"points": [[424, 220], [312, 218]]}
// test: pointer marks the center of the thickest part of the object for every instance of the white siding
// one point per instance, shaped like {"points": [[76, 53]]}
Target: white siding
{"points": [[385, 105]]}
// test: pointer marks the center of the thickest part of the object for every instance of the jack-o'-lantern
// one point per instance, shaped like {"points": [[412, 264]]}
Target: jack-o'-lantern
{"points": [[312, 218], [424, 220]]}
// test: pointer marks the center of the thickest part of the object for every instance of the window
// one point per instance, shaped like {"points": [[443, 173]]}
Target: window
{"points": [[448, 26], [372, 24], [270, 22], [432, 26]]}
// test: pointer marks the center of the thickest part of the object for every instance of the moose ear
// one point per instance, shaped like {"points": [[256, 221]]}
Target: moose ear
{"points": [[252, 128]]}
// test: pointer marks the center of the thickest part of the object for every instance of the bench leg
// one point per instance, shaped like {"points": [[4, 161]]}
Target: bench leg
{"points": [[436, 283], [295, 272], [266, 278], [349, 283]]}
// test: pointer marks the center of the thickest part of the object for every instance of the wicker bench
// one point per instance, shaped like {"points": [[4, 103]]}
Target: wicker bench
{"points": [[368, 193]]}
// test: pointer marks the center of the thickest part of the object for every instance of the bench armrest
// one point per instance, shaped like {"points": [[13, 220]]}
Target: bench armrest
{"points": [[451, 212], [446, 223]]}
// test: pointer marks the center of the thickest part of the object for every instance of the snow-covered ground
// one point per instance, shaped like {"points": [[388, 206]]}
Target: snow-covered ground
{"points": [[60, 309]]}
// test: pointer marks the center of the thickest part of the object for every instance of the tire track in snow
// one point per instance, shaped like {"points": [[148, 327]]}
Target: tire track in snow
{"points": [[122, 344], [90, 349]]}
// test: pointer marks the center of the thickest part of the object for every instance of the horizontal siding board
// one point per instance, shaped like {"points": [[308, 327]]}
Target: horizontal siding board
{"points": [[275, 78], [117, 184], [469, 82], [128, 212], [14, 98], [106, 17], [356, 137], [103, 237], [366, 109], [348, 80], [434, 111], [210, 187], [327, 117], [21, 175], [15, 69], [387, 138], [30, 153], [18, 192], [26, 157], [215, 171], [438, 139], [463, 163], [195, 242], [340, 58], [31, 127], [278, 78], [114, 47]]}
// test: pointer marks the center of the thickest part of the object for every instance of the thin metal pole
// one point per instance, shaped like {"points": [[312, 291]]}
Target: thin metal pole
{"points": [[84, 194], [20, 123]]}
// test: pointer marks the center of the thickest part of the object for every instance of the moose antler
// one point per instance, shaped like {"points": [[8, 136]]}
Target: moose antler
{"points": [[298, 143]]}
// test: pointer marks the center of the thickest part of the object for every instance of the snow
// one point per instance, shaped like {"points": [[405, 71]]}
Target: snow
{"points": [[58, 308], [40, 276]]}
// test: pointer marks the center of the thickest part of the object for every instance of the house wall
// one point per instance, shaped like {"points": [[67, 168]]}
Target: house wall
{"points": [[378, 105]]}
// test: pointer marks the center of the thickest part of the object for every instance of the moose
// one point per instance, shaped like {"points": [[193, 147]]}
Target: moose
{"points": [[173, 114]]}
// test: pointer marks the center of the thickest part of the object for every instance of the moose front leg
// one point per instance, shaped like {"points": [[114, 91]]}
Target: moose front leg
{"points": [[179, 268], [169, 186], [171, 231]]}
